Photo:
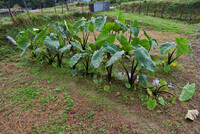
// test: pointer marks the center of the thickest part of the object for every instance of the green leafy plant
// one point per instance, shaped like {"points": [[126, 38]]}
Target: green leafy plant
{"points": [[135, 50], [87, 49], [30, 39], [160, 87], [175, 50]]}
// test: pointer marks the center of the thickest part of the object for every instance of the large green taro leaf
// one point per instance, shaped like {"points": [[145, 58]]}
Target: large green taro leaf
{"points": [[121, 17], [79, 23], [111, 48], [22, 40], [182, 46], [187, 92], [99, 22], [97, 58], [144, 43], [103, 38], [143, 79], [65, 48], [114, 58], [121, 25], [134, 28], [74, 59], [76, 45], [51, 42], [166, 48], [60, 30], [125, 44], [142, 56]]}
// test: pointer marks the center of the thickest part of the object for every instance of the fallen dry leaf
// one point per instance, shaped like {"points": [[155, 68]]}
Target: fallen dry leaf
{"points": [[192, 114]]}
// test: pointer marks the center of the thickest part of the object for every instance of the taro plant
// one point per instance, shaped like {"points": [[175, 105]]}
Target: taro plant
{"points": [[30, 39], [174, 50], [136, 51], [103, 38], [161, 87], [86, 49], [55, 47]]}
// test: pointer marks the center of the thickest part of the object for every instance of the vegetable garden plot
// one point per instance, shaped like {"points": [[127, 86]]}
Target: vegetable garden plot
{"points": [[52, 43]]}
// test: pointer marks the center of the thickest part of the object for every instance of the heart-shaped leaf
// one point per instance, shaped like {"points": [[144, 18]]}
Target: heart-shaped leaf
{"points": [[151, 104], [187, 92], [142, 56], [166, 48]]}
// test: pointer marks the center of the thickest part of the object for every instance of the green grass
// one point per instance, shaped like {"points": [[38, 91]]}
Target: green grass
{"points": [[156, 23]]}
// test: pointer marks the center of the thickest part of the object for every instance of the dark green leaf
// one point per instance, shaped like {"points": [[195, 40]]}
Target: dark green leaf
{"points": [[121, 25], [97, 58], [111, 48], [135, 41], [77, 38], [74, 59], [65, 48], [142, 56], [103, 38], [144, 43], [134, 28], [125, 44], [145, 33], [79, 23], [143, 79], [182, 46], [166, 48], [99, 22], [121, 17], [51, 42], [76, 45], [114, 58]]}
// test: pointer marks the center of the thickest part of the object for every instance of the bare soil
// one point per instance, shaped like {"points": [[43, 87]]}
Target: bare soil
{"points": [[23, 122]]}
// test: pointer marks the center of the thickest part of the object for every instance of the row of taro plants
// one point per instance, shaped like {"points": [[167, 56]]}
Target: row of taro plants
{"points": [[50, 43]]}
